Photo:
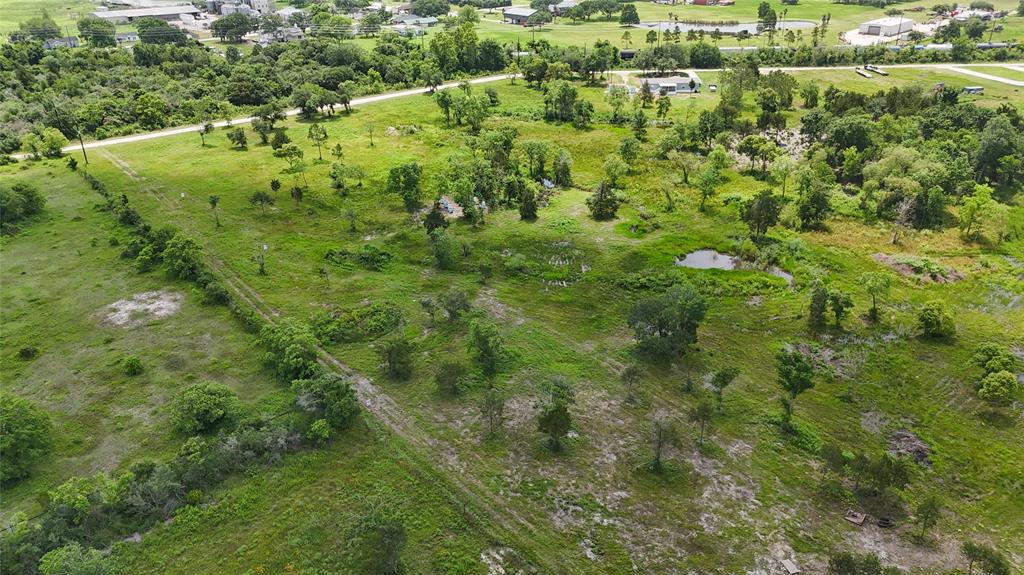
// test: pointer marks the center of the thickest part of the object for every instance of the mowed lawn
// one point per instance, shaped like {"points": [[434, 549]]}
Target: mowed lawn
{"points": [[762, 490], [60, 276]]}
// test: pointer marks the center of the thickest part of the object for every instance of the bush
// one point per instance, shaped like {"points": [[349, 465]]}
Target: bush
{"points": [[449, 377], [328, 395], [132, 366], [998, 387], [25, 435], [201, 407], [292, 350], [396, 357], [183, 256], [28, 352], [319, 432], [935, 320], [367, 322], [18, 202], [73, 559], [215, 293]]}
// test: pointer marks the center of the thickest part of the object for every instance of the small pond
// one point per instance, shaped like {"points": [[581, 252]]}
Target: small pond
{"points": [[750, 27], [714, 260]]}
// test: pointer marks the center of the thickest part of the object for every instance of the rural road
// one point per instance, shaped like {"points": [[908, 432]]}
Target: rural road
{"points": [[485, 79]]}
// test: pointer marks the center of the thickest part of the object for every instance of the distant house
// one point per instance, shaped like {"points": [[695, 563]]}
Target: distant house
{"points": [[675, 84], [563, 7], [124, 37], [517, 14], [965, 15], [286, 34], [977, 90], [287, 12], [402, 9], [414, 20], [67, 42], [888, 26], [163, 12]]}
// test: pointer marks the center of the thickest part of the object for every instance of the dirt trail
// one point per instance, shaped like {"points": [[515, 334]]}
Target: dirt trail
{"points": [[430, 451]]}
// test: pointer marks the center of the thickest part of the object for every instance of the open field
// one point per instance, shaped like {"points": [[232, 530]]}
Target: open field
{"points": [[64, 12], [746, 499], [60, 275]]}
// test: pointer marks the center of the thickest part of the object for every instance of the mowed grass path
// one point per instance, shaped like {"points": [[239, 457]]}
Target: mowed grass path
{"points": [[725, 504]]}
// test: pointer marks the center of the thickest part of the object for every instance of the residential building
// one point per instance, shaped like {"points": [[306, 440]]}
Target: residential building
{"points": [[563, 7], [414, 20], [517, 14], [672, 85], [124, 37], [66, 42]]}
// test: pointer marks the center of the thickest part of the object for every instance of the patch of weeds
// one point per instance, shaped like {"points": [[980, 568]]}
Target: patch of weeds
{"points": [[132, 366]]}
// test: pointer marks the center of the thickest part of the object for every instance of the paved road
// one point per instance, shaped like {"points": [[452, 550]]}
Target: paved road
{"points": [[414, 91]]}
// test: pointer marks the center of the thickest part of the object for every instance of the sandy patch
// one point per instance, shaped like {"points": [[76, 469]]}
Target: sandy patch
{"points": [[142, 308]]}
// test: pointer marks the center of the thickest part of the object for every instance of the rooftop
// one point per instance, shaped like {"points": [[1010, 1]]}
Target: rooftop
{"points": [[142, 12], [518, 11], [891, 21]]}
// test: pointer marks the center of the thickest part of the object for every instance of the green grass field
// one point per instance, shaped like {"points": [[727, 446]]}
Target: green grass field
{"points": [[748, 498], [59, 277]]}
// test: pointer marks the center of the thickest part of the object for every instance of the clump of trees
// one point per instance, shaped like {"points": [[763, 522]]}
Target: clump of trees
{"points": [[18, 202], [665, 326], [202, 407]]}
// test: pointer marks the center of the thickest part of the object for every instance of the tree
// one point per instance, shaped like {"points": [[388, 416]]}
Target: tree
{"points": [[41, 28], [26, 434], [818, 305], [205, 129], [814, 206], [665, 326], [329, 396], [998, 387], [664, 105], [707, 184], [554, 418], [454, 302], [927, 514], [991, 561], [492, 407], [840, 302], [445, 248], [629, 16], [528, 204], [214, 202], [720, 380], [450, 376], [396, 357], [761, 212], [261, 199], [238, 139], [563, 169], [701, 414], [97, 31], [73, 559], [630, 376], [663, 434], [404, 180], [318, 135], [183, 256], [809, 92], [795, 376], [157, 31], [615, 168], [386, 536], [201, 407], [426, 8], [232, 27], [976, 209], [539, 18], [935, 320], [629, 150], [877, 285], [639, 125], [604, 202], [487, 345]]}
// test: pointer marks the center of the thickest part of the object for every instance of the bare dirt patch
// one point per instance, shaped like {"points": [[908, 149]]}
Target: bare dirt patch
{"points": [[904, 442], [919, 268], [142, 308]]}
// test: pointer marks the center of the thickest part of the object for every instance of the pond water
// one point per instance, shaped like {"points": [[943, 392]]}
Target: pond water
{"points": [[714, 260], [750, 27]]}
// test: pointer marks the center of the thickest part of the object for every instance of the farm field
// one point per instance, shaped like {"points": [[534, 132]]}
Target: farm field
{"points": [[740, 499]]}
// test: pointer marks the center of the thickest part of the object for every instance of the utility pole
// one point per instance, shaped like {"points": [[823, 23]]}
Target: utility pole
{"points": [[78, 130]]}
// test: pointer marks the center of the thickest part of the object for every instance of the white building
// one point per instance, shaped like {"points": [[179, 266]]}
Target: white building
{"points": [[517, 14], [674, 84], [162, 12], [888, 26]]}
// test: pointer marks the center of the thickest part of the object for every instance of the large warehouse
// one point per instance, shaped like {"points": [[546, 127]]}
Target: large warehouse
{"points": [[889, 26], [162, 12]]}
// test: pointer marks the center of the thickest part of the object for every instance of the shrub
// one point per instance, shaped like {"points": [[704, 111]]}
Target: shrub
{"points": [[993, 357], [18, 202], [455, 302], [998, 387], [214, 292], [935, 320], [367, 322], [449, 377], [183, 256], [201, 407], [28, 352], [73, 559], [328, 395], [25, 435], [319, 432], [396, 357], [132, 366], [291, 350], [446, 249]]}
